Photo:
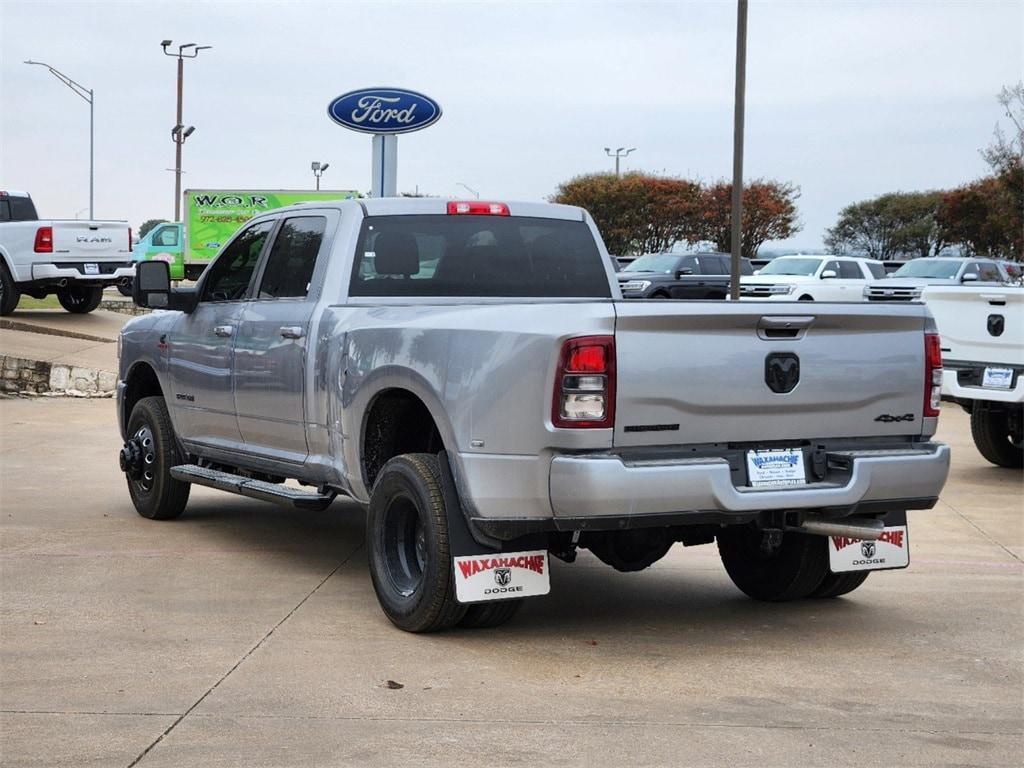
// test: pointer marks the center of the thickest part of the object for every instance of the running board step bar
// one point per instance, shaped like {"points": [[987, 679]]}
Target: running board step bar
{"points": [[254, 489]]}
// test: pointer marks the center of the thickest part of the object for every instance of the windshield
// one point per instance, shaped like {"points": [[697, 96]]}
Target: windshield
{"points": [[929, 268], [653, 262], [792, 267]]}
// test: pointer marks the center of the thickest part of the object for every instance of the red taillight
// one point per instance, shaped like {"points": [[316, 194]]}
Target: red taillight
{"points": [[584, 396], [44, 240], [477, 208], [129, 239], [932, 374]]}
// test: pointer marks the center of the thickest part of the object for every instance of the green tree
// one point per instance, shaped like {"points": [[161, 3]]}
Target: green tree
{"points": [[897, 224], [148, 225], [769, 213], [637, 212]]}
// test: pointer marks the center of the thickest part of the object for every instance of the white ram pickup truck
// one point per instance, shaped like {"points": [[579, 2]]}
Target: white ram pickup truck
{"points": [[74, 259], [982, 331]]}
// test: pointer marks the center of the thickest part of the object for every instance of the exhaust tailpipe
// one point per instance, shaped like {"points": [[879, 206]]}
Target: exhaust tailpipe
{"points": [[125, 281], [63, 283], [853, 528]]}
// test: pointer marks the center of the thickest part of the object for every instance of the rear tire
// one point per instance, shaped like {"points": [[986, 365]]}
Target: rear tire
{"points": [[155, 494], [994, 438], [793, 570], [408, 547], [487, 615], [80, 300], [9, 293], [839, 584]]}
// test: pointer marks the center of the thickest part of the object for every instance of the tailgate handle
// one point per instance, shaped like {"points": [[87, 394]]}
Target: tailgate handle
{"points": [[783, 327]]}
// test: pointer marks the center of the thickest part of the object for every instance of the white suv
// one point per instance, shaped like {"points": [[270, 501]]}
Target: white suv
{"points": [[812, 278]]}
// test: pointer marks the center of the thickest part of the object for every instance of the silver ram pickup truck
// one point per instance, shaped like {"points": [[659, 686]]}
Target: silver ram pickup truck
{"points": [[469, 373]]}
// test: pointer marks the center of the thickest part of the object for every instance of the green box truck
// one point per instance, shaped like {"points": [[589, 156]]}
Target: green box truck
{"points": [[212, 216]]}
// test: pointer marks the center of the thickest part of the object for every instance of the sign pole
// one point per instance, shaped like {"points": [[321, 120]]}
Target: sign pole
{"points": [[385, 165]]}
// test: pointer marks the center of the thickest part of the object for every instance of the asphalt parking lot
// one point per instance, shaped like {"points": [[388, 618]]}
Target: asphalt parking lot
{"points": [[247, 635]]}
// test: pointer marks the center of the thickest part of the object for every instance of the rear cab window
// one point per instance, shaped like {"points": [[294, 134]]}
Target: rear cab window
{"points": [[482, 256]]}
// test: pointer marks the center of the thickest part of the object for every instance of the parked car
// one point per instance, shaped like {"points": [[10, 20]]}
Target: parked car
{"points": [[982, 330], [812, 278], [465, 371], [71, 258], [679, 276], [907, 282]]}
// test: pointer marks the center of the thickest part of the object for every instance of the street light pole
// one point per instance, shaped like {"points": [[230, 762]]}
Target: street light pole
{"points": [[468, 189], [318, 170], [179, 133], [618, 154], [737, 150], [87, 94]]}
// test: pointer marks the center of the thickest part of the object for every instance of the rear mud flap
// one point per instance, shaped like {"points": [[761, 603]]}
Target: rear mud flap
{"points": [[485, 572]]}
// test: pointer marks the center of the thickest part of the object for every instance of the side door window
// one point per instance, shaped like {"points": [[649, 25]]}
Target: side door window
{"points": [[691, 263], [833, 266], [850, 270], [970, 269], [229, 276], [165, 237], [988, 272], [292, 258]]}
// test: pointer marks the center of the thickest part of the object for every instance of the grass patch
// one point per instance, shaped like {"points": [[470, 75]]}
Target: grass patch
{"points": [[50, 302]]}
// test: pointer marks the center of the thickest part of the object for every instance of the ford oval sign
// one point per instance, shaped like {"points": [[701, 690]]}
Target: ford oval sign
{"points": [[384, 110]]}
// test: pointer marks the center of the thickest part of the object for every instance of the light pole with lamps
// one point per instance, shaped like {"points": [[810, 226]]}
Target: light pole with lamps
{"points": [[318, 170], [618, 154], [85, 93], [179, 132]]}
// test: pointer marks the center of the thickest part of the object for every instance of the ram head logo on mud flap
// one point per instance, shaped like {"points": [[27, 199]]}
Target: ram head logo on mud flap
{"points": [[502, 576]]}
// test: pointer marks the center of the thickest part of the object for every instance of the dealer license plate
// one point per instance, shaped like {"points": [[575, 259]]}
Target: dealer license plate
{"points": [[501, 576], [92, 269], [997, 378], [891, 550], [778, 466]]}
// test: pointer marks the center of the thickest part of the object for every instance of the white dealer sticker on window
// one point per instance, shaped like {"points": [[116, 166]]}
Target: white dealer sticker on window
{"points": [[891, 550], [502, 576]]}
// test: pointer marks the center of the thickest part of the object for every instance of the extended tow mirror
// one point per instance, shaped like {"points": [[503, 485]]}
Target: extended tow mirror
{"points": [[152, 285], [828, 273], [152, 288]]}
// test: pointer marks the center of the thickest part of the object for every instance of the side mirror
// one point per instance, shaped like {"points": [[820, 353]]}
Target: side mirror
{"points": [[828, 274], [683, 271], [152, 285], [970, 277], [757, 271], [152, 288]]}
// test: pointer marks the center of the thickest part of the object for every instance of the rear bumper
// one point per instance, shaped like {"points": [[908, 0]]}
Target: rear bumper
{"points": [[951, 387], [585, 487], [76, 274], [606, 492]]}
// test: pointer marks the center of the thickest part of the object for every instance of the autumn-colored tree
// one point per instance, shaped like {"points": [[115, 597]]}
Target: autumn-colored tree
{"points": [[637, 212], [986, 217], [897, 224], [769, 213]]}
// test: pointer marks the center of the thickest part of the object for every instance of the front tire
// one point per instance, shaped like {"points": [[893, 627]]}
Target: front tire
{"points": [[793, 570], [124, 289], [806, 297], [9, 293], [79, 300], [408, 547], [147, 459], [995, 438]]}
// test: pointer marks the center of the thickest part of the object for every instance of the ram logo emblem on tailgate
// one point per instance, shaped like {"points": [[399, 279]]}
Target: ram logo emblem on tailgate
{"points": [[996, 325], [782, 372]]}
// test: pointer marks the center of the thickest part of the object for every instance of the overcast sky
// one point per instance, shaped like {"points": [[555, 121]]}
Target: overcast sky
{"points": [[847, 100]]}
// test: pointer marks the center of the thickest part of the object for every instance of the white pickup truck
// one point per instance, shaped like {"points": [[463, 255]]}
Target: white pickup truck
{"points": [[982, 330], [74, 259]]}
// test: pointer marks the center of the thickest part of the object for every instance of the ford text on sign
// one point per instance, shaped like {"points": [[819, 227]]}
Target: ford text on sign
{"points": [[384, 110]]}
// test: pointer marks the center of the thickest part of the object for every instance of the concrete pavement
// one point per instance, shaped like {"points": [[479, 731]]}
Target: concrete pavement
{"points": [[244, 634]]}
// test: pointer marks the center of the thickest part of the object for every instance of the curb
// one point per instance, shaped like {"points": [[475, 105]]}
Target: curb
{"points": [[34, 378], [16, 325]]}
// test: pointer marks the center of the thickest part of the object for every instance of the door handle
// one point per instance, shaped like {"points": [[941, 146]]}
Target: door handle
{"points": [[222, 330], [292, 332]]}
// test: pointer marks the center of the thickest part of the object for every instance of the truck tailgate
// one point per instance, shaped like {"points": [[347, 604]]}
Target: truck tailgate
{"points": [[699, 373], [90, 240]]}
